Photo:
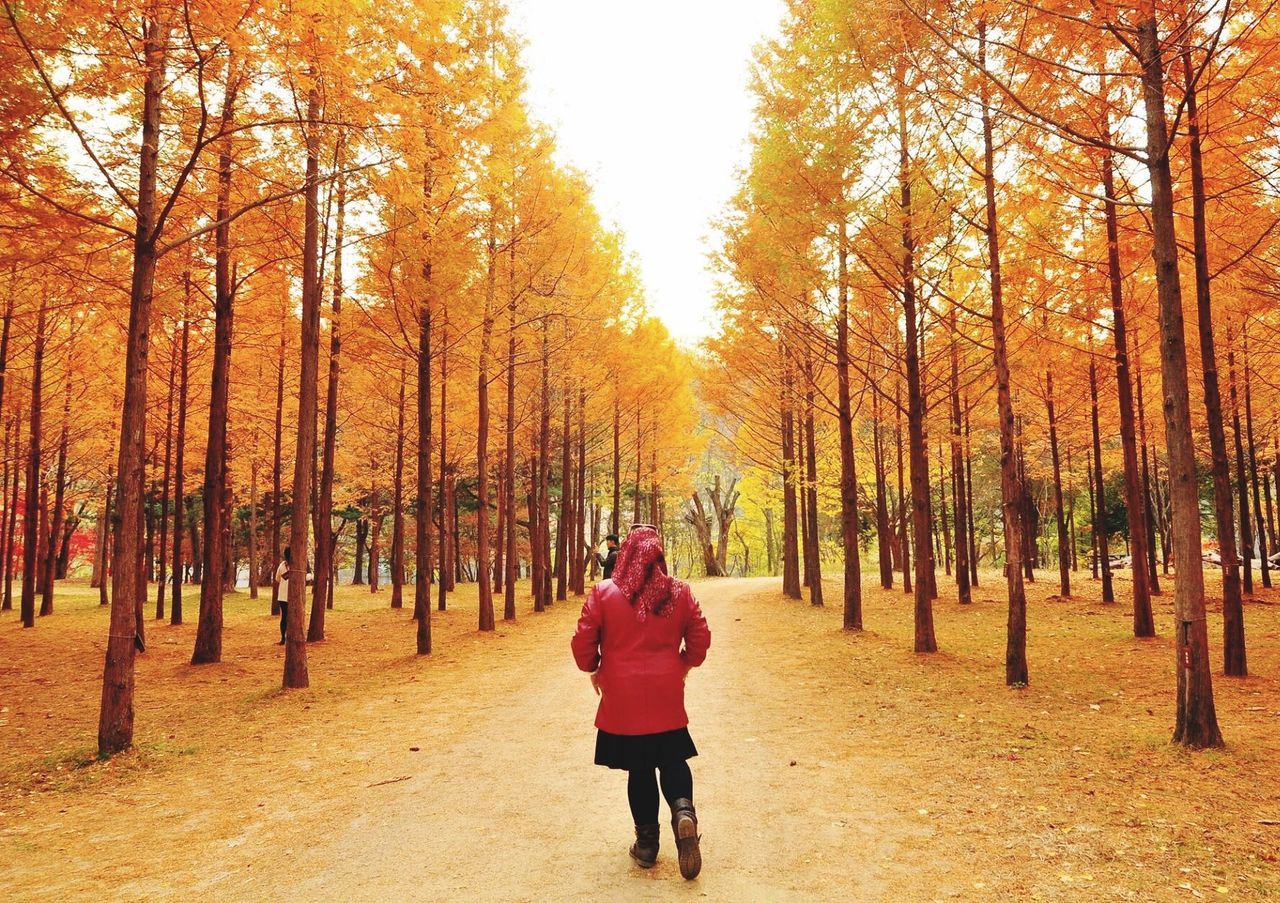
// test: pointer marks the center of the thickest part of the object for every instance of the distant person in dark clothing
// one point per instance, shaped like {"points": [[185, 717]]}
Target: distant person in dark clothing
{"points": [[610, 558]]}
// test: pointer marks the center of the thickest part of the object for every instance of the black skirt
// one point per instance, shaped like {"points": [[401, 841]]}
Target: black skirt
{"points": [[633, 752]]}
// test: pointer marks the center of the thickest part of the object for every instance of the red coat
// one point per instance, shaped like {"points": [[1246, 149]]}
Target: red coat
{"points": [[642, 667]]}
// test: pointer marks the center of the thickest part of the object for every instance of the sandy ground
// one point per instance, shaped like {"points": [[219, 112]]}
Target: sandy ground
{"points": [[832, 766]]}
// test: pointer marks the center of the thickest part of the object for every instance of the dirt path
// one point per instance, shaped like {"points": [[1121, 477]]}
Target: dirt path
{"points": [[552, 826], [499, 802], [834, 765]]}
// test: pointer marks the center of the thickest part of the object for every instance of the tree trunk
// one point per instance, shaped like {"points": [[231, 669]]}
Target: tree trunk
{"points": [[884, 542], [1015, 667], [180, 442], [811, 489], [322, 598], [499, 544], [542, 544], [1064, 547], [1028, 507], [56, 515], [100, 530], [1102, 541], [1266, 497], [1264, 566], [925, 640], [253, 522], [565, 516], [448, 547], [597, 531], [614, 515], [61, 519], [10, 459], [805, 537], [375, 551], [1071, 511], [397, 505], [423, 502], [13, 427], [149, 531], [10, 452], [217, 523], [1242, 477], [140, 594], [70, 524], [1164, 515], [362, 536], [42, 542], [904, 540], [1235, 662], [11, 516], [115, 719], [422, 563], [945, 519], [1093, 516], [593, 561], [295, 650], [1147, 505], [165, 499], [277, 508], [108, 513], [963, 590], [698, 518], [6, 539], [848, 471], [193, 527], [534, 528], [790, 539], [724, 503], [635, 496], [455, 533], [229, 558], [580, 507], [1275, 474], [484, 573], [31, 511], [1143, 620], [975, 552], [509, 464], [655, 497], [771, 557], [1197, 723]]}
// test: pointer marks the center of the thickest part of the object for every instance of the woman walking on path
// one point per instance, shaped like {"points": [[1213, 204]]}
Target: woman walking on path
{"points": [[629, 639]]}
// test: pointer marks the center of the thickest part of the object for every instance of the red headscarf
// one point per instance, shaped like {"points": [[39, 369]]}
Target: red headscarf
{"points": [[641, 573]]}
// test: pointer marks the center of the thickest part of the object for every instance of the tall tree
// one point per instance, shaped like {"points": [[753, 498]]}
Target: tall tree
{"points": [[1197, 722]]}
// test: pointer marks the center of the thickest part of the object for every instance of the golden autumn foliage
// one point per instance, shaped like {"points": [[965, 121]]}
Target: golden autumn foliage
{"points": [[247, 245], [975, 181], [374, 167]]}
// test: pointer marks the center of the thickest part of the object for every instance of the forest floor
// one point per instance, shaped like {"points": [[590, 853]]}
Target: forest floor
{"points": [[832, 766]]}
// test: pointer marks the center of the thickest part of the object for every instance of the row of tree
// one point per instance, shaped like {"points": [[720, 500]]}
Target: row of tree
{"points": [[274, 271], [943, 244]]}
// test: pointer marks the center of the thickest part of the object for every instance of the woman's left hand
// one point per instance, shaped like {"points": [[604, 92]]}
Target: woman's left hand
{"points": [[595, 681]]}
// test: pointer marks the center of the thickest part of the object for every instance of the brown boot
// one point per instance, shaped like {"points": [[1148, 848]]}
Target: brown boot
{"points": [[684, 823], [645, 850]]}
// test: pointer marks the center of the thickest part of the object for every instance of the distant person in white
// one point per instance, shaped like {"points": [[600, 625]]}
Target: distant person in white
{"points": [[282, 591]]}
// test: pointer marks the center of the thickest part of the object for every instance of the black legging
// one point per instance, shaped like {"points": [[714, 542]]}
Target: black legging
{"points": [[284, 617], [642, 789]]}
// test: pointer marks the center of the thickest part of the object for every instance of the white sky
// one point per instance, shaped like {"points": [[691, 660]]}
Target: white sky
{"points": [[650, 99]]}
